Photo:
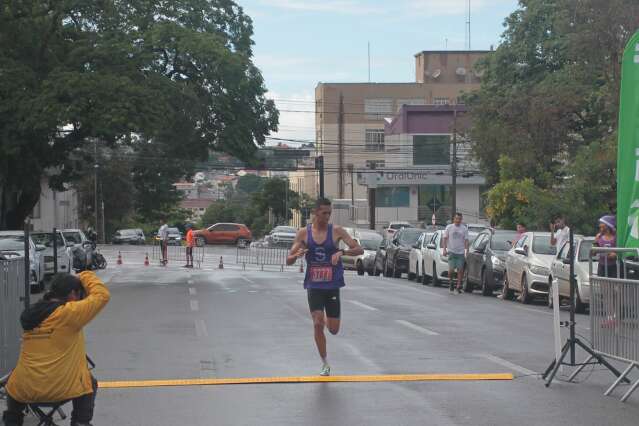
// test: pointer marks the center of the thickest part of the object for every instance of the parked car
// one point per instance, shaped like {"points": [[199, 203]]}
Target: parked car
{"points": [[486, 261], [416, 257], [127, 236], [12, 246], [528, 267], [560, 273], [435, 263], [65, 256], [370, 241], [398, 251], [393, 227], [174, 236], [476, 228], [224, 233], [282, 236], [75, 236]]}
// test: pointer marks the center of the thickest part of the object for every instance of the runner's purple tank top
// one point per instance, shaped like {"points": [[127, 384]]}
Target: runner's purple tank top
{"points": [[320, 273]]}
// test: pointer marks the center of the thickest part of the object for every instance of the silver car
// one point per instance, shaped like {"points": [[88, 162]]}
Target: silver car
{"points": [[12, 245], [560, 272], [370, 241], [282, 236], [65, 256], [528, 267]]}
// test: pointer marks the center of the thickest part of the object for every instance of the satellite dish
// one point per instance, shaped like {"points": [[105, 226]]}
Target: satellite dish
{"points": [[437, 73], [461, 71]]}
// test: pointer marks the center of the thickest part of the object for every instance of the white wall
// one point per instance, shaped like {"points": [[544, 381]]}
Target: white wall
{"points": [[59, 209]]}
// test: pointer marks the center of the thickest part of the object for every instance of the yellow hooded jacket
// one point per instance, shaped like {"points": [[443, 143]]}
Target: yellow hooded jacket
{"points": [[52, 365]]}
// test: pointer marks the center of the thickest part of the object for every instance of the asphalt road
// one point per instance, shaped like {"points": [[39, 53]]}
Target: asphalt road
{"points": [[174, 323]]}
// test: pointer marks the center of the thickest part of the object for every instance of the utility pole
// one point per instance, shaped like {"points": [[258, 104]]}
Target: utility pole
{"points": [[340, 139], [319, 165], [453, 164], [95, 181], [350, 169], [372, 202]]}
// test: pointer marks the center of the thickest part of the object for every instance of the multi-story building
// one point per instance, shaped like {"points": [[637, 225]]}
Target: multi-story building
{"points": [[351, 117]]}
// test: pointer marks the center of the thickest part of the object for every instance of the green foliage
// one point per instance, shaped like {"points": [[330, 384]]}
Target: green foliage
{"points": [[249, 184], [170, 80]]}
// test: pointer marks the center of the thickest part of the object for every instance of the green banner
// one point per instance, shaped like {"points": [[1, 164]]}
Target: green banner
{"points": [[628, 149]]}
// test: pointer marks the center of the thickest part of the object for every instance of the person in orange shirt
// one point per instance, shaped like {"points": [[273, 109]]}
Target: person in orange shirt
{"points": [[189, 246]]}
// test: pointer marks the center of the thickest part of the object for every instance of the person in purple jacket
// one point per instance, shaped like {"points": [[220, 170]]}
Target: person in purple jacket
{"points": [[318, 243]]}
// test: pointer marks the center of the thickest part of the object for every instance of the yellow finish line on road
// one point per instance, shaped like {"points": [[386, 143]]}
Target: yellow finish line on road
{"points": [[306, 379]]}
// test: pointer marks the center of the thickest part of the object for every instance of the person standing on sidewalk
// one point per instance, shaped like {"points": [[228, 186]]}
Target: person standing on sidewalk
{"points": [[190, 242], [559, 233], [455, 247], [607, 237], [163, 234]]}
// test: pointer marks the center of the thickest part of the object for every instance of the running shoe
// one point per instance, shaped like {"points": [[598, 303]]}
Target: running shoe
{"points": [[326, 370]]}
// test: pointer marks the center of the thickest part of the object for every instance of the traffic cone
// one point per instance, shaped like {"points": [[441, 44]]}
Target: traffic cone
{"points": [[119, 258], [146, 260], [221, 265], [301, 266]]}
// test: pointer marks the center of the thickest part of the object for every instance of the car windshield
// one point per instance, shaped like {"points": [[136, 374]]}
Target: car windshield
{"points": [[541, 245], [285, 229], [370, 241], [46, 240], [400, 225], [502, 241], [128, 232], [73, 237], [11, 242], [476, 228], [173, 231], [410, 236], [584, 251]]}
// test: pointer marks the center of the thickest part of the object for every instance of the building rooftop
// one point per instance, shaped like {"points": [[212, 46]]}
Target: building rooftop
{"points": [[425, 52]]}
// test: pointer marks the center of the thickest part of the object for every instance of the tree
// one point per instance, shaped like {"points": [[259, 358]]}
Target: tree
{"points": [[249, 184], [169, 79]]}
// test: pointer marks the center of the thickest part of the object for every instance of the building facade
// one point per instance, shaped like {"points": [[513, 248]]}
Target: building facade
{"points": [[55, 209]]}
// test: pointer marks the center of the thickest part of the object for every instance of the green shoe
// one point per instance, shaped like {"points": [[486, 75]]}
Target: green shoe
{"points": [[326, 370]]}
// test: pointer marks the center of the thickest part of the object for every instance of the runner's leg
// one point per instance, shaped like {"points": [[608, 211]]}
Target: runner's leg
{"points": [[320, 338], [333, 311]]}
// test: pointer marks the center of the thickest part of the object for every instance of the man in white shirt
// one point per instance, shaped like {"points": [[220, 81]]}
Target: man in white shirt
{"points": [[559, 232], [455, 247], [163, 233]]}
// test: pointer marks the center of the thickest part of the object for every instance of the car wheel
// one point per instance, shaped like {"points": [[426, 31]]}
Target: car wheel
{"points": [[200, 241], [486, 290], [506, 292], [524, 297], [425, 279], [435, 277], [468, 286], [360, 268]]}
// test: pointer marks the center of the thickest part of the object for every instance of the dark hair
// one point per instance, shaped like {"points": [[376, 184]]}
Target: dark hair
{"points": [[521, 223], [459, 214], [62, 285], [322, 202]]}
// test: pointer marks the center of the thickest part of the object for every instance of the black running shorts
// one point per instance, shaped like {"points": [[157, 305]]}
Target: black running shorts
{"points": [[324, 300]]}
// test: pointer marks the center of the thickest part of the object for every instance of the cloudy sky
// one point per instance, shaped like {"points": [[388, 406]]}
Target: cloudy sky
{"points": [[299, 43]]}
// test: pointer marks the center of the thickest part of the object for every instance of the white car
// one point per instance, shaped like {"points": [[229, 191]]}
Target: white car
{"points": [[12, 245], [560, 272], [65, 257], [75, 237], [393, 227], [282, 236], [370, 241], [416, 257], [528, 267], [435, 263]]}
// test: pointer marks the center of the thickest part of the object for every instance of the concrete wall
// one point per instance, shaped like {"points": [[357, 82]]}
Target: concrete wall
{"points": [[59, 209]]}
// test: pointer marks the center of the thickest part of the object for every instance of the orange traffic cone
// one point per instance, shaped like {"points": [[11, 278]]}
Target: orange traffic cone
{"points": [[119, 258], [146, 260], [301, 266], [221, 265]]}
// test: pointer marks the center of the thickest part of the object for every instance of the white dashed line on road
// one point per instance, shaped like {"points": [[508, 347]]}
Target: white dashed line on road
{"points": [[195, 306], [362, 305], [192, 291], [508, 364], [200, 328], [417, 328]]}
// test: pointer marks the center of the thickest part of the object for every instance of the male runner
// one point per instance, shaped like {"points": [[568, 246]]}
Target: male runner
{"points": [[324, 272]]}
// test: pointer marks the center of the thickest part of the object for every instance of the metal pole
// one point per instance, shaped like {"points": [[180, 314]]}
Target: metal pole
{"points": [[453, 168], [352, 193], [27, 265], [95, 181], [319, 164], [55, 250], [371, 207], [571, 241], [340, 139]]}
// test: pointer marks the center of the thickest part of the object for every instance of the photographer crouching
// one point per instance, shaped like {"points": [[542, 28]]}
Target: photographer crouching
{"points": [[53, 366]]}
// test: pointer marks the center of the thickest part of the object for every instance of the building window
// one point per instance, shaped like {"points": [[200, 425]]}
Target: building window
{"points": [[377, 109], [431, 150], [374, 140], [392, 196], [375, 164], [441, 101]]}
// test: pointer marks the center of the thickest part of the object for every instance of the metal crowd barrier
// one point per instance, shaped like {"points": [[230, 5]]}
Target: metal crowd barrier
{"points": [[263, 256], [12, 294], [614, 317], [177, 253]]}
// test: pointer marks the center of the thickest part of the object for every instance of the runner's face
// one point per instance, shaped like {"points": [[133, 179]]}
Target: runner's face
{"points": [[323, 214], [457, 220]]}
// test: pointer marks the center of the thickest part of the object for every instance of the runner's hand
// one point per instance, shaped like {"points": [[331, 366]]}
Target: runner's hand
{"points": [[301, 252], [336, 257]]}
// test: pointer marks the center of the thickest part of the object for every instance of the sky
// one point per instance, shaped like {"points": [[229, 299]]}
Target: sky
{"points": [[299, 43]]}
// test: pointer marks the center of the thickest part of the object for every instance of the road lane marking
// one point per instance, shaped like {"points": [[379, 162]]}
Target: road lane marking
{"points": [[195, 306], [508, 364], [192, 291], [412, 287], [417, 328], [200, 328], [248, 280], [307, 379], [362, 305]]}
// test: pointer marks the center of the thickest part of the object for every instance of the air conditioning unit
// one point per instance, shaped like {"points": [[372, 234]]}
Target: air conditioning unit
{"points": [[461, 71], [437, 73]]}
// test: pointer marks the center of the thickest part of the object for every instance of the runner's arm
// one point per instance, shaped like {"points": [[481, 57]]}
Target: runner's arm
{"points": [[298, 249], [354, 249]]}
